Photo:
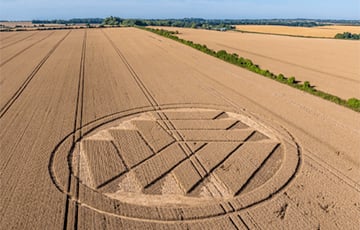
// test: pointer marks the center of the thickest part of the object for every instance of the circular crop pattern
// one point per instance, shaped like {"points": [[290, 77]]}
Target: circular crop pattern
{"points": [[175, 164]]}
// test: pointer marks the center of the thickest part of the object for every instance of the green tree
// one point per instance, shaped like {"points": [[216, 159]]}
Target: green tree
{"points": [[291, 80], [280, 77], [112, 21], [354, 103]]}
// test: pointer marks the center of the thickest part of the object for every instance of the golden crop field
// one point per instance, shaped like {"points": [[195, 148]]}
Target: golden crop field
{"points": [[17, 23], [18, 26], [120, 128], [320, 31], [330, 65]]}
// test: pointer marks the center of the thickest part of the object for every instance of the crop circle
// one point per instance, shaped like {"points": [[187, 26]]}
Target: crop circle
{"points": [[180, 161]]}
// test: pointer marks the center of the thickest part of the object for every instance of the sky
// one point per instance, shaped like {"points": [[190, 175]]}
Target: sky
{"points": [[159, 9]]}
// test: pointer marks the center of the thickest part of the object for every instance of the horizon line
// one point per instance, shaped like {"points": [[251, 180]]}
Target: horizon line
{"points": [[139, 18]]}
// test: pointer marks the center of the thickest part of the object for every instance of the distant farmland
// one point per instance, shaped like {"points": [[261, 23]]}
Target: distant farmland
{"points": [[320, 31], [330, 65]]}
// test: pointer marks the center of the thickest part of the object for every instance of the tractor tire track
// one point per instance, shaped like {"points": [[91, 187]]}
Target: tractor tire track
{"points": [[10, 36], [217, 93], [26, 48], [185, 148], [290, 63], [17, 41], [76, 134], [23, 86]]}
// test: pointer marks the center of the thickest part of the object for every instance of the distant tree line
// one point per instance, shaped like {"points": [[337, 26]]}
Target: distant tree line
{"points": [[347, 35], [352, 103], [341, 22], [209, 23], [112, 21], [70, 21], [187, 23], [197, 22]]}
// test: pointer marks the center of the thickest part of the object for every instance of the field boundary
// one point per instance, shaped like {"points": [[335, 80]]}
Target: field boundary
{"points": [[286, 35], [288, 63], [337, 36], [351, 103]]}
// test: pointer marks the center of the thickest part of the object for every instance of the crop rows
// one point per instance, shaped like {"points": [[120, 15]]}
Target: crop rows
{"points": [[352, 103], [122, 128]]}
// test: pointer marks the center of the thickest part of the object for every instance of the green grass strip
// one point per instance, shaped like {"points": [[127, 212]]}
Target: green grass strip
{"points": [[352, 103]]}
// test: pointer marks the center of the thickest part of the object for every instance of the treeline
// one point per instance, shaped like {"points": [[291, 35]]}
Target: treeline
{"points": [[347, 35], [197, 22], [222, 23], [217, 23], [280, 22], [341, 22], [352, 103], [116, 21], [70, 21], [186, 23]]}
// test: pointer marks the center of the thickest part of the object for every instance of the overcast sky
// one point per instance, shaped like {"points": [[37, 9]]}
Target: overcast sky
{"points": [[232, 9]]}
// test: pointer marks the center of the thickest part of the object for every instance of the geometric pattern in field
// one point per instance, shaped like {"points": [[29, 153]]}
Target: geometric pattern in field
{"points": [[174, 156]]}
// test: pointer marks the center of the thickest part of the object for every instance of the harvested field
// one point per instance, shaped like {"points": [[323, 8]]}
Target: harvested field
{"points": [[124, 129], [22, 26], [320, 31], [17, 23], [330, 65]]}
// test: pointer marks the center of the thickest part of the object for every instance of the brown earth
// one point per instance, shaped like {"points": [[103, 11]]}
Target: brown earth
{"points": [[320, 31], [124, 129], [330, 65]]}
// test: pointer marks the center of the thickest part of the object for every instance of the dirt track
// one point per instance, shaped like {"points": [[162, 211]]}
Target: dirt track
{"points": [[328, 64], [163, 136]]}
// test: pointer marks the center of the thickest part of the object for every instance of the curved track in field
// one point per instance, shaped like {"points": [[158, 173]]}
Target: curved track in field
{"points": [[123, 129]]}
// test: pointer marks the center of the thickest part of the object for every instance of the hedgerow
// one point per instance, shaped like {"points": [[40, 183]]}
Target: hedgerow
{"points": [[352, 103]]}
